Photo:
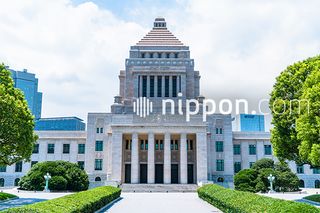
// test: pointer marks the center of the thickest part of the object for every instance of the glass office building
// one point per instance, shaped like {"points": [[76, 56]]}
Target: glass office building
{"points": [[60, 124], [28, 84], [250, 123]]}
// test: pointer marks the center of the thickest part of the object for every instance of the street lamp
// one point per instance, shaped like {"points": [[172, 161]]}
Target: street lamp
{"points": [[47, 177], [271, 179]]}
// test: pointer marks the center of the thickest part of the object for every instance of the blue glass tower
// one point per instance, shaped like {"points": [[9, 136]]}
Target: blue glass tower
{"points": [[28, 84], [60, 124], [250, 123]]}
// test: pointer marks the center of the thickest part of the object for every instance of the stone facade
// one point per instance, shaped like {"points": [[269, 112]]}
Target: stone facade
{"points": [[129, 145]]}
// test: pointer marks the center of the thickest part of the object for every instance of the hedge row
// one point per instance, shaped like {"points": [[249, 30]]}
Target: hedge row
{"points": [[86, 201], [5, 196], [229, 200], [314, 198]]}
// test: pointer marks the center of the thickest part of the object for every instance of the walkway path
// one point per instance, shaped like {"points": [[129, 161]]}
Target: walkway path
{"points": [[160, 203]]}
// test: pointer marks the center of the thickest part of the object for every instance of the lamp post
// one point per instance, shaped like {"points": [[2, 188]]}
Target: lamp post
{"points": [[47, 177], [271, 179]]}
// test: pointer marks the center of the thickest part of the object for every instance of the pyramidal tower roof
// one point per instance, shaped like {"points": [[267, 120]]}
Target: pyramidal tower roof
{"points": [[159, 36]]}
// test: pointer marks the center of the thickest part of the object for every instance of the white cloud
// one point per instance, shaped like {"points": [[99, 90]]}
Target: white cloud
{"points": [[77, 51]]}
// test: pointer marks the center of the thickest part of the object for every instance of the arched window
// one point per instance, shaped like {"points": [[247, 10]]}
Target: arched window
{"points": [[301, 183], [220, 179], [1, 182], [16, 182], [317, 184], [97, 179]]}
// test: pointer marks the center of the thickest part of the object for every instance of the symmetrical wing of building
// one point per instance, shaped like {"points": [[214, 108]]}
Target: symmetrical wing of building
{"points": [[137, 143]]}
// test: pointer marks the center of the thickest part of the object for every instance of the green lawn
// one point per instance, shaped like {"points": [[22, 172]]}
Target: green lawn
{"points": [[315, 198], [5, 196]]}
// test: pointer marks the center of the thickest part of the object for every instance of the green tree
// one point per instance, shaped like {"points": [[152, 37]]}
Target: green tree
{"points": [[295, 135], [256, 178], [17, 137], [64, 175]]}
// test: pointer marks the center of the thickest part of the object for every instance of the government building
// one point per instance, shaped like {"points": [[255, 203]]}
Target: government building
{"points": [[140, 141]]}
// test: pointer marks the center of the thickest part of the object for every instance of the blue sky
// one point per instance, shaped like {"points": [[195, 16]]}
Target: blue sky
{"points": [[77, 48]]}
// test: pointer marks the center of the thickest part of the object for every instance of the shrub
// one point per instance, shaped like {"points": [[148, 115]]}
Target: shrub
{"points": [[86, 201], [5, 196], [58, 183], [77, 179], [256, 178], [229, 200], [314, 198]]}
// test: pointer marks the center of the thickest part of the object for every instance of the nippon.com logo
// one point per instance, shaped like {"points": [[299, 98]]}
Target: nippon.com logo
{"points": [[144, 107]]}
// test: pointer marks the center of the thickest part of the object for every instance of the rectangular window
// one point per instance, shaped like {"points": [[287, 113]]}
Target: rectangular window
{"points": [[174, 86], [98, 164], [300, 169], [237, 167], [18, 167], [251, 164], [190, 147], [141, 145], [161, 144], [219, 146], [81, 148], [252, 149], [176, 147], [151, 86], [316, 170], [101, 130], [217, 130], [50, 148], [146, 144], [220, 165], [171, 145], [221, 130], [159, 86], [236, 149], [98, 130], [166, 86], [66, 148], [128, 144], [267, 150], [3, 168], [144, 86], [35, 149], [99, 146], [33, 163], [81, 164], [179, 83]]}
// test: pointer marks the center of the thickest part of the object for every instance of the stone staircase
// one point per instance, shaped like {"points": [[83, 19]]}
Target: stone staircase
{"points": [[159, 187]]}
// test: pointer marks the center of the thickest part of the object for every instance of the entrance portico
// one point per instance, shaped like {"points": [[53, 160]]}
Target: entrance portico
{"points": [[161, 157]]}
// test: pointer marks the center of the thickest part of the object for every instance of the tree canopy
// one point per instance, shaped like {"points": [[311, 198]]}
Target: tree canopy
{"points": [[295, 107], [256, 178], [17, 137]]}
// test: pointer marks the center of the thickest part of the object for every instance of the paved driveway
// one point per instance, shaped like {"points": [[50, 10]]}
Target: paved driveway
{"points": [[161, 203]]}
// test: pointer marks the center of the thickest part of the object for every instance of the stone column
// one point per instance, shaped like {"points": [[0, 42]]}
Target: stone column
{"points": [[151, 166], [202, 170], [135, 159], [167, 159], [116, 156], [183, 159]]}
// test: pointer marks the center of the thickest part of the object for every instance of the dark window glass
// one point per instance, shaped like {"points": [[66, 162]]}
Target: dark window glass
{"points": [[236, 149], [161, 144], [159, 86], [191, 144], [251, 164], [220, 165], [18, 167], [98, 164], [157, 145], [316, 170], [267, 150], [219, 146], [151, 86], [101, 130], [171, 145], [66, 148], [166, 87], [146, 144], [99, 145], [97, 130], [176, 147], [174, 86], [35, 149], [3, 168], [141, 145], [300, 169], [81, 164], [50, 148], [144, 86], [221, 130], [33, 163], [237, 167], [81, 148], [1, 182], [252, 149]]}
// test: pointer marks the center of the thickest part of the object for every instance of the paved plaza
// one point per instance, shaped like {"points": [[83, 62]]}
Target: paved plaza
{"points": [[160, 203]]}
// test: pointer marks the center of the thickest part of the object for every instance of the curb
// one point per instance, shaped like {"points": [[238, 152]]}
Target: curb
{"points": [[108, 205]]}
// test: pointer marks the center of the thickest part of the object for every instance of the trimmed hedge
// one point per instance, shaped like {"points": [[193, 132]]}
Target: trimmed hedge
{"points": [[86, 201], [5, 196], [314, 198], [229, 200]]}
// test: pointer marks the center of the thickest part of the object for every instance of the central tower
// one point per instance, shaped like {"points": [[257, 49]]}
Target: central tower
{"points": [[159, 66]]}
